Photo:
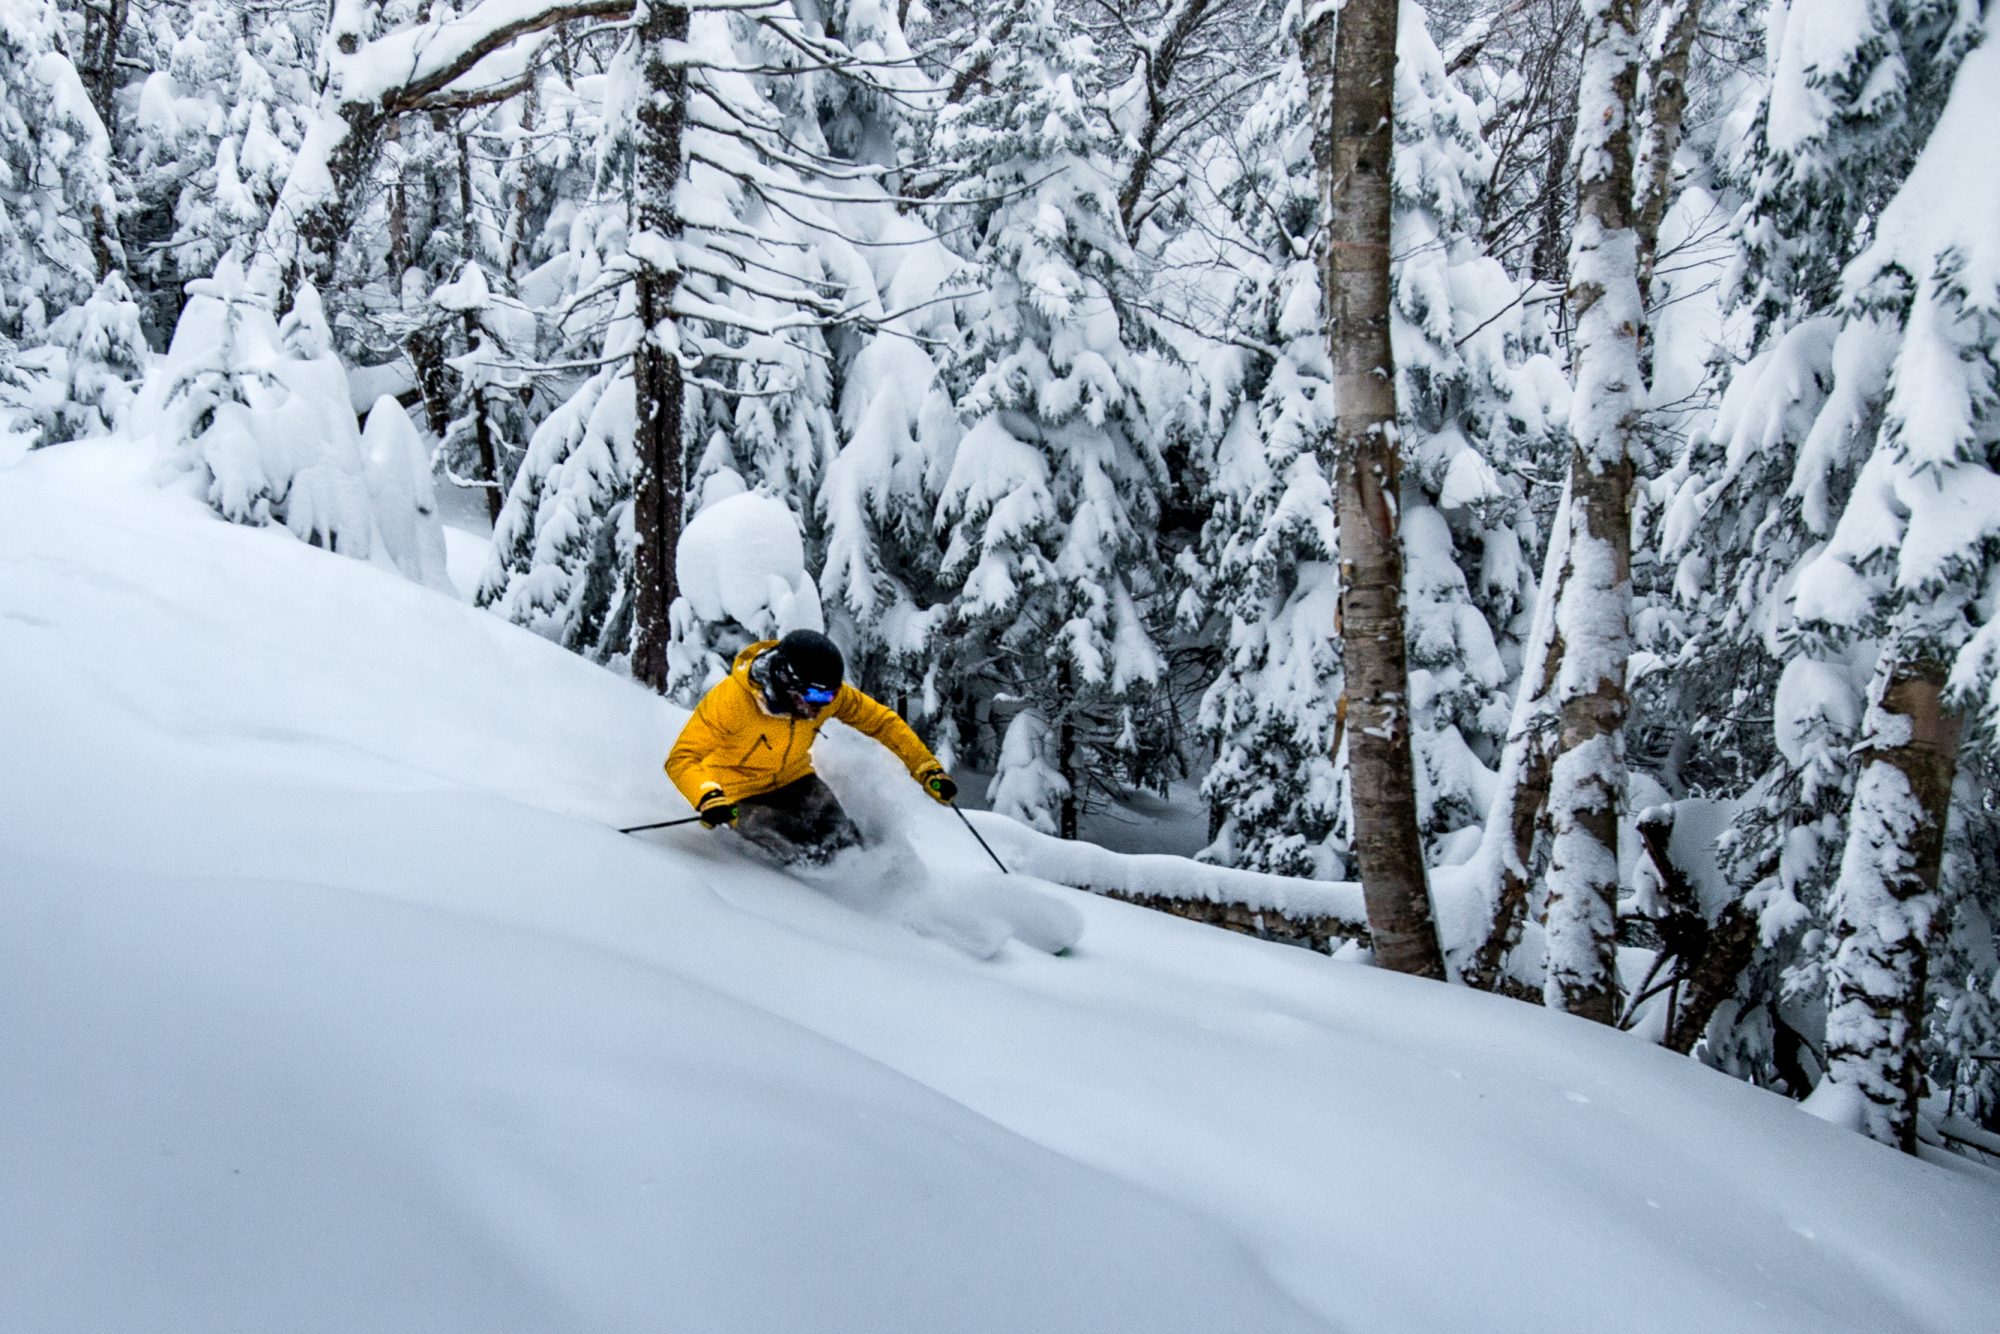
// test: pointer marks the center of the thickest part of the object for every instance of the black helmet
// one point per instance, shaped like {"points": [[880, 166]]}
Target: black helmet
{"points": [[807, 660]]}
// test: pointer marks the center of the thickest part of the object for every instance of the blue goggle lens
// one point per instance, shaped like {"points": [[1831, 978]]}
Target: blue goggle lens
{"points": [[817, 695]]}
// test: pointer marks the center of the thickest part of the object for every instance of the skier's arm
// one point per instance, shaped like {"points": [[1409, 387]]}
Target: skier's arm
{"points": [[698, 740], [880, 721]]}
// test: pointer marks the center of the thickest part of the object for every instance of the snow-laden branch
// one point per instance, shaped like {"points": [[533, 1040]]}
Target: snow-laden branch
{"points": [[400, 70]]}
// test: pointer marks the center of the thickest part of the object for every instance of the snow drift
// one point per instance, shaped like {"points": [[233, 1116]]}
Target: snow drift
{"points": [[334, 1001]]}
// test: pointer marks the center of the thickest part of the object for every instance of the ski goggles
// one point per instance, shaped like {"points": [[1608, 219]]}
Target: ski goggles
{"points": [[817, 696]]}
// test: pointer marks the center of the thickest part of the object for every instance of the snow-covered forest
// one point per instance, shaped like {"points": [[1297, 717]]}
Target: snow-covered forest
{"points": [[1524, 474]]}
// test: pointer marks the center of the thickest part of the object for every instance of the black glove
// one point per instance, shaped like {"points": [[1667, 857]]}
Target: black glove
{"points": [[938, 783], [715, 809]]}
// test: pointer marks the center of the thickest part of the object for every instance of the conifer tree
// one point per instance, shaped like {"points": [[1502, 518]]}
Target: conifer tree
{"points": [[57, 211], [104, 356], [1267, 554], [1914, 565], [1833, 131], [254, 415], [1051, 498]]}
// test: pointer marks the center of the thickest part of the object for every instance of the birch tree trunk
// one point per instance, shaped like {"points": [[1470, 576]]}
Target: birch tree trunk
{"points": [[1886, 901], [656, 369], [1593, 614], [1352, 68]]}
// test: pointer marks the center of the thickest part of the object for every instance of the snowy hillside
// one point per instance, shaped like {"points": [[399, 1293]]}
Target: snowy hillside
{"points": [[332, 1001]]}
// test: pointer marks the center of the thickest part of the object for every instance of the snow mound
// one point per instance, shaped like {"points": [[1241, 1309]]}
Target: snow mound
{"points": [[741, 559]]}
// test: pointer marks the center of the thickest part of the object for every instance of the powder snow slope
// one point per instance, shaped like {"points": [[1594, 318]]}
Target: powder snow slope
{"points": [[331, 1001]]}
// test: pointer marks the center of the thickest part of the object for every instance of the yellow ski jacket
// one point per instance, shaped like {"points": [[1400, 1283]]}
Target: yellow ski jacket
{"points": [[737, 745]]}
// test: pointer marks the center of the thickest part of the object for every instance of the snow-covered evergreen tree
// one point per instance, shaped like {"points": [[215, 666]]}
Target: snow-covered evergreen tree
{"points": [[1267, 565], [1852, 94], [1052, 495], [1860, 403], [253, 415], [58, 216], [488, 428], [1913, 564], [1481, 403], [104, 358]]}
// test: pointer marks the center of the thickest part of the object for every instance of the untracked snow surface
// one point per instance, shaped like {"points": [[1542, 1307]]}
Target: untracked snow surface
{"points": [[330, 999]]}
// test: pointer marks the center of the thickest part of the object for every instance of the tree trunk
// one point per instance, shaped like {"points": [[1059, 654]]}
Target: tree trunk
{"points": [[482, 418], [399, 211], [656, 368], [103, 31], [1887, 898], [1068, 816], [1711, 979], [426, 353], [1352, 66], [1550, 259], [1593, 614], [517, 222], [1673, 44]]}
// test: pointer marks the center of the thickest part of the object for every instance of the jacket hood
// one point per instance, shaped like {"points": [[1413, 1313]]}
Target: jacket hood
{"points": [[748, 653]]}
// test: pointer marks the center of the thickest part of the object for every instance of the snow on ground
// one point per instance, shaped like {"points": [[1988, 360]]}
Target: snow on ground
{"points": [[468, 535], [334, 1001]]}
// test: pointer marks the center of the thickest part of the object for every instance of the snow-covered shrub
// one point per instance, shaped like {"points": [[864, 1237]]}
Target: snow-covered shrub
{"points": [[254, 417], [397, 467], [105, 357]]}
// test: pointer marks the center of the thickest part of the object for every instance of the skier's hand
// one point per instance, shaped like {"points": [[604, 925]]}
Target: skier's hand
{"points": [[938, 783], [715, 809]]}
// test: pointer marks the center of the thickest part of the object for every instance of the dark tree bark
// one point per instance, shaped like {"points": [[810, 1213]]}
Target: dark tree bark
{"points": [[399, 211], [1710, 978], [656, 368], [1679, 23], [1593, 613], [103, 31], [1551, 255], [426, 353], [482, 418], [1351, 65], [1068, 818], [1160, 63]]}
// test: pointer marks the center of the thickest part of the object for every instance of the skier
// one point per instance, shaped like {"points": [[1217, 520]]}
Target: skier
{"points": [[745, 757]]}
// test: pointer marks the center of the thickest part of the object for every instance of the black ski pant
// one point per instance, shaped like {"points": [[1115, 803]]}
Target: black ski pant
{"points": [[799, 822]]}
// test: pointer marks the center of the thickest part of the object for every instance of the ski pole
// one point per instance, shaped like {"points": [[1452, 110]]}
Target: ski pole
{"points": [[664, 824], [982, 841]]}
